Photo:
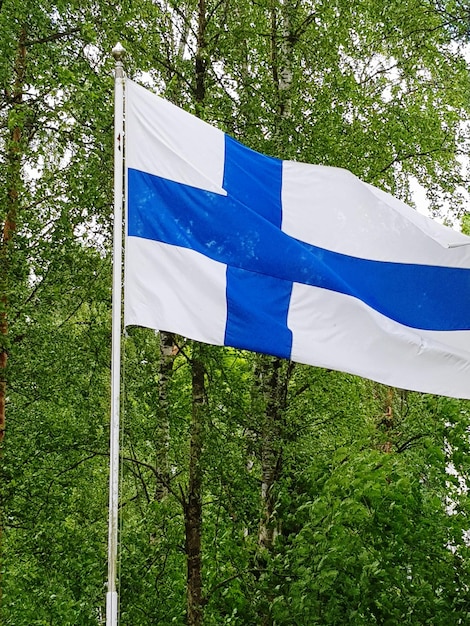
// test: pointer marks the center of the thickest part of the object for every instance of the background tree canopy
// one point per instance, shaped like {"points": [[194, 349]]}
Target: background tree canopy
{"points": [[253, 491]]}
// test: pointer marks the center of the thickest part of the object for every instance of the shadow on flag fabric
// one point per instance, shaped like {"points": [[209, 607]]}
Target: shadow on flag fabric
{"points": [[231, 247]]}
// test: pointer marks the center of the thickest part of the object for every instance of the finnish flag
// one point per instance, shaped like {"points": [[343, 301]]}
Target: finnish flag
{"points": [[230, 247]]}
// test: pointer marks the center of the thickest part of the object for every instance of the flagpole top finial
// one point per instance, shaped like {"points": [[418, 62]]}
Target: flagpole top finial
{"points": [[118, 52]]}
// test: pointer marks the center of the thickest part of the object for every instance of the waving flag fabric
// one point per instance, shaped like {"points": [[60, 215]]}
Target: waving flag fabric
{"points": [[230, 247]]}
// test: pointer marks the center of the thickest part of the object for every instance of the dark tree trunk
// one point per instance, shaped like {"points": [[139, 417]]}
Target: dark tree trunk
{"points": [[13, 185], [13, 158], [162, 428], [193, 504]]}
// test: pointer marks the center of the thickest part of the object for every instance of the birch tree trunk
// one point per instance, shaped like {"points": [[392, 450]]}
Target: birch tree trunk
{"points": [[269, 378], [282, 58], [272, 375]]}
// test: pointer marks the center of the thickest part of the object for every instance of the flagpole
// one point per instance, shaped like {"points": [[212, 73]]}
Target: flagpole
{"points": [[112, 595]]}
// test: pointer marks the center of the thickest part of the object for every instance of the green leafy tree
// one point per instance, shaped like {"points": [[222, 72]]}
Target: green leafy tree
{"points": [[367, 507]]}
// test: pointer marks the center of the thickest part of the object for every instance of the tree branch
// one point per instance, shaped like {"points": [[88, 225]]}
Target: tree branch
{"points": [[407, 444], [53, 37]]}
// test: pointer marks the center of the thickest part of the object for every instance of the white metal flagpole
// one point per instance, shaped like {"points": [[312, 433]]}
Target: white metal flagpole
{"points": [[112, 595]]}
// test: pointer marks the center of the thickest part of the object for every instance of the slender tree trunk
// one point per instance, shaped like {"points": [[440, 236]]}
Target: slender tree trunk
{"points": [[281, 65], [271, 448], [13, 158], [272, 373], [193, 504], [162, 429], [272, 377], [14, 184], [201, 61]]}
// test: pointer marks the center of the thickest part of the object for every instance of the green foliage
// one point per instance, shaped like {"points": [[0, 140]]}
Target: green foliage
{"points": [[367, 536]]}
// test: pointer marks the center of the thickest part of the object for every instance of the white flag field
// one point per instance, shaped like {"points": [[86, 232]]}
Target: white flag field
{"points": [[231, 247]]}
